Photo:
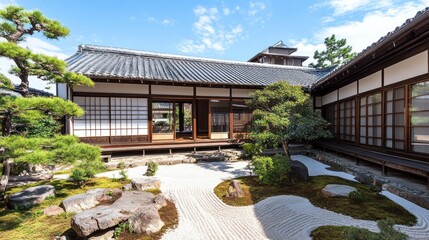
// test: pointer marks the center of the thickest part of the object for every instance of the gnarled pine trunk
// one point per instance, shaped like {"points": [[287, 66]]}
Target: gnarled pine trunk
{"points": [[5, 177], [285, 145]]}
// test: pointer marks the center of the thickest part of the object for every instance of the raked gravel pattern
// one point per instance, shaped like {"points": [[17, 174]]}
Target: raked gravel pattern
{"points": [[204, 216]]}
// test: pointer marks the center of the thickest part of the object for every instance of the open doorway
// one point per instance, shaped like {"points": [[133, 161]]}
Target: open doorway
{"points": [[183, 112]]}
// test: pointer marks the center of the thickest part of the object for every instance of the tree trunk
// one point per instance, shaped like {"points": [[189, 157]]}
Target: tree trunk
{"points": [[285, 145], [24, 86], [5, 177], [7, 124]]}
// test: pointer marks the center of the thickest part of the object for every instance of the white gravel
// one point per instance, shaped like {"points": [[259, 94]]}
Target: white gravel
{"points": [[204, 216]]}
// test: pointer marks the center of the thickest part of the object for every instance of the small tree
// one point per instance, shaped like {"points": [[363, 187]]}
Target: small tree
{"points": [[283, 113], [337, 52], [16, 24]]}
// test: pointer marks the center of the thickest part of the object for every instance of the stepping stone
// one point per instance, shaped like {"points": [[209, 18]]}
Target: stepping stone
{"points": [[80, 202], [53, 210], [337, 190], [30, 196]]}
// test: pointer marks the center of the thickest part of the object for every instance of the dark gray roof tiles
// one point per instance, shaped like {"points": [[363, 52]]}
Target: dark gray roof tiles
{"points": [[106, 62]]}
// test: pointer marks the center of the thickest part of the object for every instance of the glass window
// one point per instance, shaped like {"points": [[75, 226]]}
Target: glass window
{"points": [[419, 117], [242, 116], [162, 117], [370, 119], [220, 115], [347, 121]]}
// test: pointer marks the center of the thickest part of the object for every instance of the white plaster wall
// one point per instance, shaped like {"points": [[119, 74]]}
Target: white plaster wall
{"points": [[114, 88], [370, 82], [213, 92], [330, 97], [219, 135], [172, 90], [408, 68], [62, 90], [348, 90], [244, 93]]}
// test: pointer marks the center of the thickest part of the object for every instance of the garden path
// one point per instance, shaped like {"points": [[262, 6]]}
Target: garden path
{"points": [[204, 216]]}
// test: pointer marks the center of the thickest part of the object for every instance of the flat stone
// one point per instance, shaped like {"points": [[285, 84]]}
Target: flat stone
{"points": [[53, 210], [146, 220], [103, 235], [90, 199], [142, 184], [107, 216], [337, 190], [30, 196]]}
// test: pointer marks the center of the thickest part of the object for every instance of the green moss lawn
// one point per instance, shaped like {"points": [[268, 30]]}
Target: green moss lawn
{"points": [[377, 207]]}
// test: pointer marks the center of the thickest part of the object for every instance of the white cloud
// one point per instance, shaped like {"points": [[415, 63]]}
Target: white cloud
{"points": [[342, 7], [256, 7], [212, 31], [226, 11], [164, 22], [373, 25]]}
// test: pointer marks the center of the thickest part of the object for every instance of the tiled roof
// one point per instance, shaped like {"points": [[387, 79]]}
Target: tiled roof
{"points": [[106, 62], [421, 15]]}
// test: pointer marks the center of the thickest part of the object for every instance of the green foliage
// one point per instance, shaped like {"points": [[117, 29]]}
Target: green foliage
{"points": [[387, 232], [59, 149], [123, 175], [85, 170], [252, 149], [283, 113], [357, 197], [36, 116], [16, 24], [5, 82], [337, 52], [123, 226], [152, 167], [121, 165], [271, 170]]}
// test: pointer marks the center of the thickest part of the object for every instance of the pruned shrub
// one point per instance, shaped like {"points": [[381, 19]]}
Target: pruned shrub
{"points": [[121, 165], [86, 170], [251, 149], [356, 196], [152, 167], [123, 175], [271, 170]]}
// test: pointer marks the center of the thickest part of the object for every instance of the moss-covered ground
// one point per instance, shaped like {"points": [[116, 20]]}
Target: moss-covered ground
{"points": [[376, 206], [32, 224]]}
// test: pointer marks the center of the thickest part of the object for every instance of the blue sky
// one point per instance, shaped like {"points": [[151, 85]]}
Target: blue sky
{"points": [[228, 29]]}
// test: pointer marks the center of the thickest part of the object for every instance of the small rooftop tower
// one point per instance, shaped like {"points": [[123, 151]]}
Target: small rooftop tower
{"points": [[279, 54]]}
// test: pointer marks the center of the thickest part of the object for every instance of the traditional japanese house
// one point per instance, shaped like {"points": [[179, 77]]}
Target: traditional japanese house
{"points": [[143, 100], [378, 103]]}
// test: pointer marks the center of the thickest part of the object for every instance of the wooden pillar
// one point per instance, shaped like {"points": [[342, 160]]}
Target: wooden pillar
{"points": [[231, 121], [149, 115], [209, 128], [181, 117], [407, 135], [194, 116], [383, 169]]}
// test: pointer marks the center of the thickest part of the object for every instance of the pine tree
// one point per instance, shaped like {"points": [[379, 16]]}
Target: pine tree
{"points": [[337, 52], [16, 24]]}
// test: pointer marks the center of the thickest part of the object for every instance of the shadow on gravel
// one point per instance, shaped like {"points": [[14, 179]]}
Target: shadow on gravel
{"points": [[225, 167]]}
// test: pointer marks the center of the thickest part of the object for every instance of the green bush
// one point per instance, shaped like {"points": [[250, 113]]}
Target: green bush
{"points": [[271, 170], [123, 175], [251, 149], [152, 167], [86, 170], [121, 165], [79, 176], [387, 232], [357, 196]]}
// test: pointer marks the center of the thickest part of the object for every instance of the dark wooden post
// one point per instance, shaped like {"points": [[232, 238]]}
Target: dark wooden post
{"points": [[194, 116]]}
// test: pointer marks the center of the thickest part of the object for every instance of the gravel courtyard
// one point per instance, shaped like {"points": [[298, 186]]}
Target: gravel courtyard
{"points": [[203, 216]]}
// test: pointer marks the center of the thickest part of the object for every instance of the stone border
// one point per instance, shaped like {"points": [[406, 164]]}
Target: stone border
{"points": [[418, 197]]}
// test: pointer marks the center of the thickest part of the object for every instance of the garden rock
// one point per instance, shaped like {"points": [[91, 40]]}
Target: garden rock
{"points": [[107, 216], [337, 190], [127, 187], [160, 201], [235, 190], [146, 220], [103, 235], [90, 199], [142, 184], [53, 210], [30, 196], [298, 172]]}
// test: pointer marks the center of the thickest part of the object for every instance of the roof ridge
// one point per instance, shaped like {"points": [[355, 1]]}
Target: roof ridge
{"points": [[90, 47]]}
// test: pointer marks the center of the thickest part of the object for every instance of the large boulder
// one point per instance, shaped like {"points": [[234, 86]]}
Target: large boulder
{"points": [[160, 201], [90, 199], [146, 220], [298, 172], [30, 196], [141, 184], [235, 190], [337, 190], [107, 216]]}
